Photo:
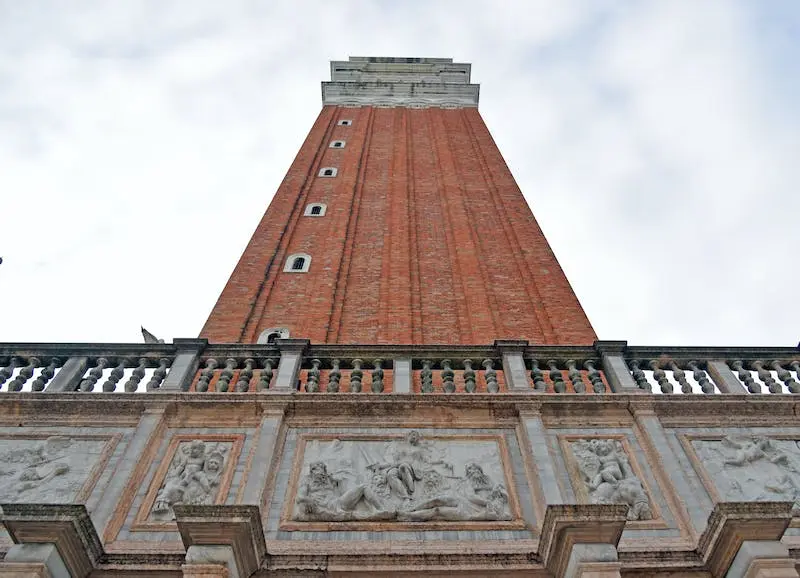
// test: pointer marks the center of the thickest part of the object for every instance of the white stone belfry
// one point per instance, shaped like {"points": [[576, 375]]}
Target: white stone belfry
{"points": [[409, 82]]}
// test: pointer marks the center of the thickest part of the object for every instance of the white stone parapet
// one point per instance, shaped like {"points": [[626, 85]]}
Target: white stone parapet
{"points": [[405, 82]]}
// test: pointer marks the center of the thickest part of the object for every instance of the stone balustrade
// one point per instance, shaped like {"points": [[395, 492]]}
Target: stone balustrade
{"points": [[501, 459], [296, 365]]}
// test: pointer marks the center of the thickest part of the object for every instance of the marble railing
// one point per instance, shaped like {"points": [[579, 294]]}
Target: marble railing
{"points": [[506, 366]]}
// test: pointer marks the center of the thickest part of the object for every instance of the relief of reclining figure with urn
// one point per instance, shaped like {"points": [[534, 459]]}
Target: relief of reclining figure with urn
{"points": [[405, 480]]}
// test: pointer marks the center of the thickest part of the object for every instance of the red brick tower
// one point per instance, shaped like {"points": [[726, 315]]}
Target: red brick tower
{"points": [[399, 222]]}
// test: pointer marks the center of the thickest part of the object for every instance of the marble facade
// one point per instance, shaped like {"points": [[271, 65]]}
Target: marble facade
{"points": [[478, 475]]}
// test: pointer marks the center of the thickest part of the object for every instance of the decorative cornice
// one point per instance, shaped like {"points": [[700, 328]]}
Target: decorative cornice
{"points": [[67, 526], [400, 82]]}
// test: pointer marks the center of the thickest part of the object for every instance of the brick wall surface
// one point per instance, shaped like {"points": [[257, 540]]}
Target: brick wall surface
{"points": [[426, 239]]}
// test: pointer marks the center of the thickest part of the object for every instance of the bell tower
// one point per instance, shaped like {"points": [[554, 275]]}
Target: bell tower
{"points": [[399, 223]]}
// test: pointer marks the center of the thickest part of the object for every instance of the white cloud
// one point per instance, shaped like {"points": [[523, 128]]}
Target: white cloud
{"points": [[141, 142]]}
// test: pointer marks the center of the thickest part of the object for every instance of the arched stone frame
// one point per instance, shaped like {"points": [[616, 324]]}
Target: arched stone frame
{"points": [[337, 144], [291, 262], [309, 212], [272, 333]]}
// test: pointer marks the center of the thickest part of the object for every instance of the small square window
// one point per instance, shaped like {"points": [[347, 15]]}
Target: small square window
{"points": [[337, 144], [345, 122], [327, 172]]}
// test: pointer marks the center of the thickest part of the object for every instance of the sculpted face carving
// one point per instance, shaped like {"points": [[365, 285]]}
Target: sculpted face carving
{"points": [[45, 470], [193, 477], [752, 467], [409, 479], [608, 477]]}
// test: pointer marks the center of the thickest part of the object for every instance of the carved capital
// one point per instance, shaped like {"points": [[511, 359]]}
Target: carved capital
{"points": [[731, 523], [292, 345], [190, 344], [236, 526], [67, 526], [566, 525]]}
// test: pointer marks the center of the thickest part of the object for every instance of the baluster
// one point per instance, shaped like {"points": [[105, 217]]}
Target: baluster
{"points": [[377, 376], [575, 377], [136, 376], [469, 377], [266, 375], [116, 374], [700, 377], [786, 377], [594, 376], [765, 376], [245, 375], [680, 377], [24, 374], [427, 376], [794, 364], [355, 376], [491, 376], [7, 371], [334, 376], [312, 377], [226, 375], [95, 374], [447, 377], [745, 376], [556, 376], [539, 383], [158, 375], [46, 375], [661, 377], [639, 377], [207, 374]]}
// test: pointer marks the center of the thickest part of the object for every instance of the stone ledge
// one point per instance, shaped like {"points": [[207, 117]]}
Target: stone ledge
{"points": [[731, 523], [236, 526], [566, 525], [68, 527]]}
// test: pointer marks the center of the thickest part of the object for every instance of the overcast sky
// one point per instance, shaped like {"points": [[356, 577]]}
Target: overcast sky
{"points": [[658, 144]]}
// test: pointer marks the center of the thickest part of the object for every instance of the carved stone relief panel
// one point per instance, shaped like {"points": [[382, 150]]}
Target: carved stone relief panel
{"points": [[195, 471], [749, 467], [603, 473], [55, 469], [400, 479]]}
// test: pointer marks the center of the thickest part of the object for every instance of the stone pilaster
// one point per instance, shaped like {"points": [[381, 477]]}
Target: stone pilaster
{"points": [[57, 540], [616, 370], [221, 539], [289, 366], [513, 363], [185, 364], [581, 540], [755, 526]]}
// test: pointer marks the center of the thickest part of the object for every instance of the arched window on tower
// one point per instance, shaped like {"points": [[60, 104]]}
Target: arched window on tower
{"points": [[315, 210], [269, 336], [297, 263]]}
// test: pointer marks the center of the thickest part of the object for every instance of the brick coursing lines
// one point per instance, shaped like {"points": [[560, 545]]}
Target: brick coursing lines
{"points": [[315, 316], [250, 330], [362, 304], [464, 329], [491, 327], [413, 252], [226, 323], [437, 306], [342, 277], [545, 328], [558, 300]]}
